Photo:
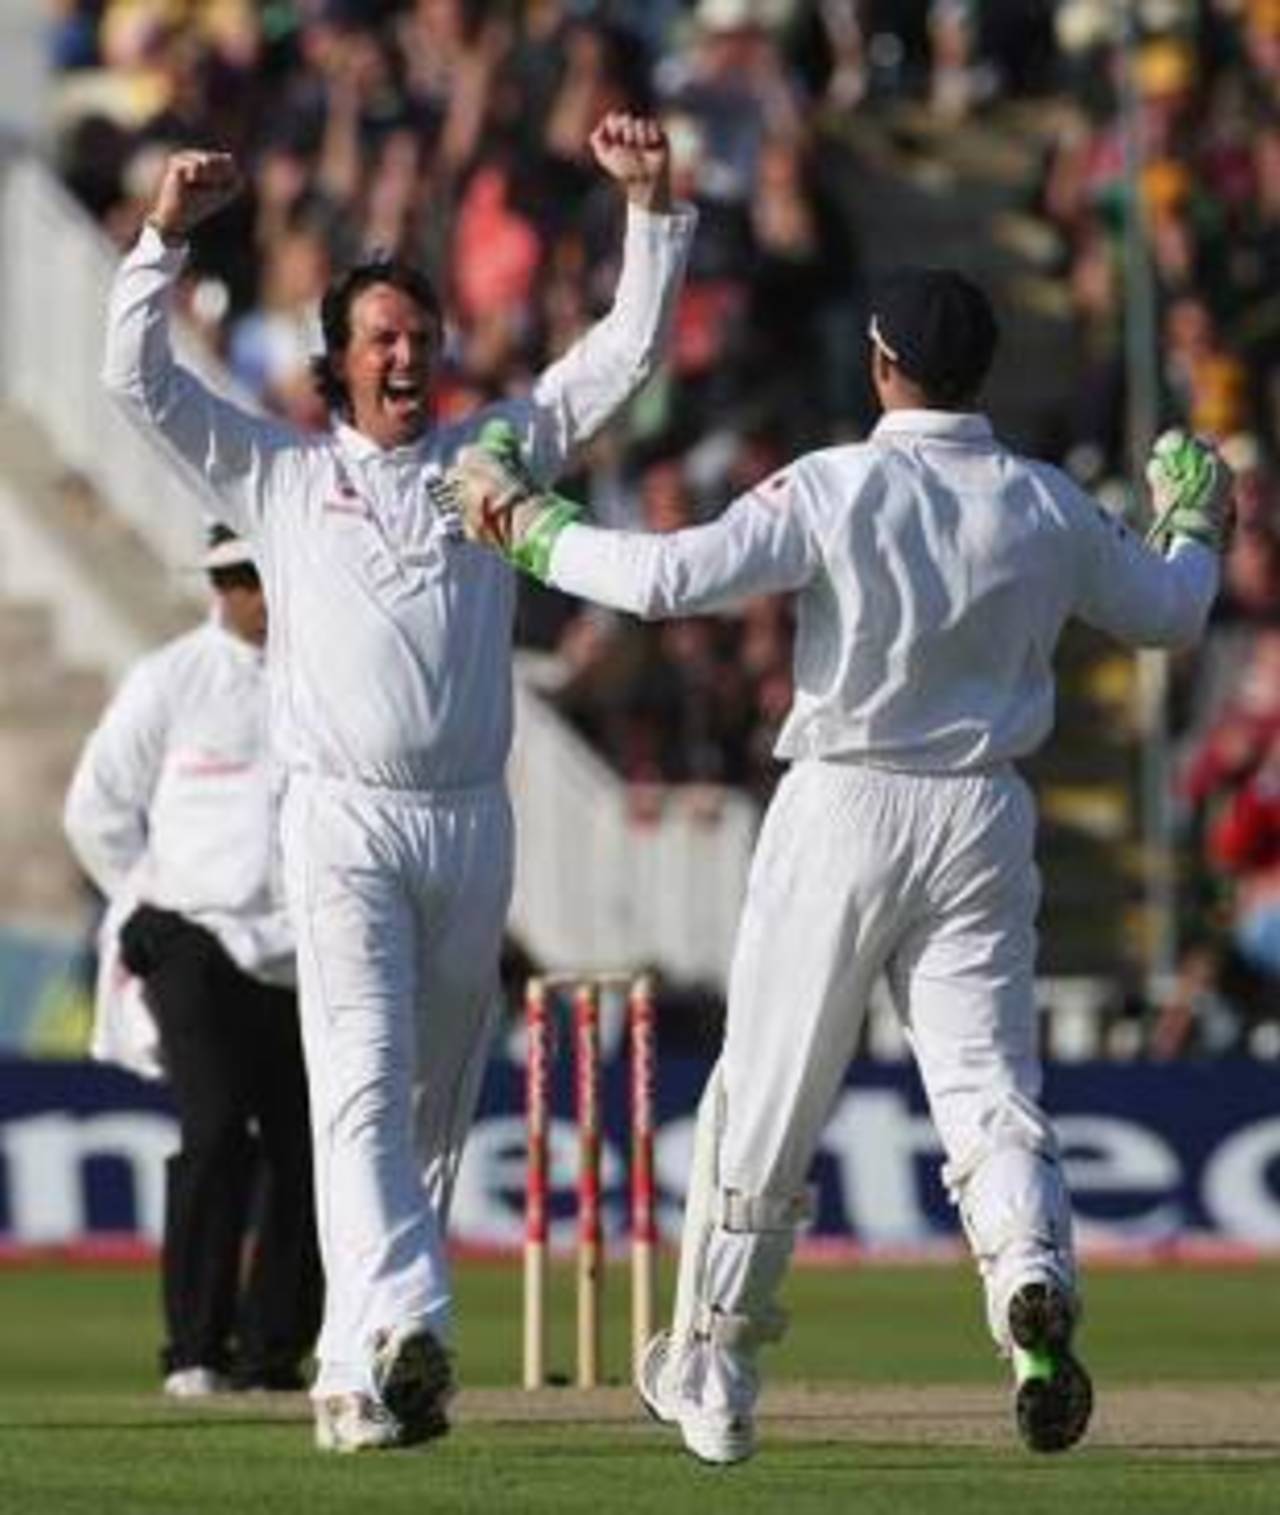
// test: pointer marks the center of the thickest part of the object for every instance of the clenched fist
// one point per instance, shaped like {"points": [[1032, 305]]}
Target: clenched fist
{"points": [[195, 186], [1191, 491], [634, 151]]}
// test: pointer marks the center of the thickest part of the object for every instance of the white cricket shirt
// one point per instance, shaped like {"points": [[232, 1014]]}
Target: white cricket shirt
{"points": [[934, 570], [390, 646], [174, 799]]}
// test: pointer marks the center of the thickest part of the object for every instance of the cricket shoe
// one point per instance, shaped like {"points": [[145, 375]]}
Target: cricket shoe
{"points": [[653, 1379], [1054, 1397], [354, 1422], [195, 1383], [672, 1389], [413, 1377]]}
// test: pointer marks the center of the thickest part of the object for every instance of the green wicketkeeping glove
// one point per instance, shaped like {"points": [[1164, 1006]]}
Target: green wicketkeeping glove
{"points": [[502, 506], [1191, 490]]}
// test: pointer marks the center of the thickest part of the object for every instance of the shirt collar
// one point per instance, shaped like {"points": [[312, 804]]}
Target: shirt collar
{"points": [[360, 448], [950, 425], [247, 652]]}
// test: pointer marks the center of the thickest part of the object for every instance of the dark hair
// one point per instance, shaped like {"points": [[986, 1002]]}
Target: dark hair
{"points": [[938, 327], [335, 315], [238, 576], [952, 394]]}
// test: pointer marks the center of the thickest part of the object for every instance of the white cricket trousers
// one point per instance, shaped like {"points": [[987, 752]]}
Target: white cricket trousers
{"points": [[399, 900], [932, 881]]}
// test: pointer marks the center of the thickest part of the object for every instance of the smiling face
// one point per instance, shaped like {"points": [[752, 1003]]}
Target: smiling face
{"points": [[386, 365]]}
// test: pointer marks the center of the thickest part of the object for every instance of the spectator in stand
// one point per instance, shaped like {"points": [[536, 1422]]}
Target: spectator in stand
{"points": [[1241, 735], [1260, 34], [1245, 844], [955, 84], [496, 250], [1204, 377], [1251, 575], [398, 193], [1228, 970], [735, 86], [271, 347], [1251, 570], [802, 292]]}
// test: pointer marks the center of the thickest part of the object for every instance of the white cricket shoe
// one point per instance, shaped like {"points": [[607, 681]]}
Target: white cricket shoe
{"points": [[708, 1391], [195, 1383], [354, 1423], [652, 1379], [413, 1377]]}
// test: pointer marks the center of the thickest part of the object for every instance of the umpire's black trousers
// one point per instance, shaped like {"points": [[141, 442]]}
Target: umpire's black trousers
{"points": [[233, 1055]]}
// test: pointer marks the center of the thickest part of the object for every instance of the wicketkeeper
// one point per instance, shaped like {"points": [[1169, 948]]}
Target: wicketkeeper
{"points": [[934, 572]]}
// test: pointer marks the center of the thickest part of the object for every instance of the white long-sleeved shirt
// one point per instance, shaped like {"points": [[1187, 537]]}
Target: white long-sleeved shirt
{"points": [[174, 798], [390, 634], [934, 572]]}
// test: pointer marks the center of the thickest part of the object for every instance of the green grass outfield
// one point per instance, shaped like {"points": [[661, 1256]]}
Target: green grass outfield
{"points": [[904, 1410]]}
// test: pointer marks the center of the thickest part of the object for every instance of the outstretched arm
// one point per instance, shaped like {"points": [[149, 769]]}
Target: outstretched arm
{"points": [[230, 451], [762, 544], [580, 392]]}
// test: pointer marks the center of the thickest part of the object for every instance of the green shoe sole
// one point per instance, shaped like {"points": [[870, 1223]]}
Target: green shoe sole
{"points": [[1054, 1397]]}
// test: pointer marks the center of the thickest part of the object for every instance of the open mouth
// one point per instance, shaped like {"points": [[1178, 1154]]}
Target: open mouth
{"points": [[404, 393]]}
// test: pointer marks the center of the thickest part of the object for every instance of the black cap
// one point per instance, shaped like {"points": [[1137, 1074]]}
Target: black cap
{"points": [[938, 327]]}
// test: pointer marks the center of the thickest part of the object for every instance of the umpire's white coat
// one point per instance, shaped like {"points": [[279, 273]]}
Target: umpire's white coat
{"points": [[934, 571], [175, 801], [391, 708]]}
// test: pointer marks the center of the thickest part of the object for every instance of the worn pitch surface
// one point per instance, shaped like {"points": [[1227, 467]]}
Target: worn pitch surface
{"points": [[1194, 1419]]}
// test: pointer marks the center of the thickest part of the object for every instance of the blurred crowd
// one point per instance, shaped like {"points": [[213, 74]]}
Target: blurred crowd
{"points": [[1204, 79], [454, 132]]}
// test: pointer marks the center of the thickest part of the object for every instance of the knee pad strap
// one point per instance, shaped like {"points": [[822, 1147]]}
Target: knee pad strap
{"points": [[741, 1333], [764, 1213]]}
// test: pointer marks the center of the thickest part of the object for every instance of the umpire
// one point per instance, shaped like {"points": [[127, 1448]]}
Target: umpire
{"points": [[172, 812]]}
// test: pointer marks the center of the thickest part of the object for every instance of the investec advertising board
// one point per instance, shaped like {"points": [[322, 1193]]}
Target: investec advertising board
{"points": [[1158, 1155]]}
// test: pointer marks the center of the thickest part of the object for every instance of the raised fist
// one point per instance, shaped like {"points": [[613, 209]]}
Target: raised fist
{"points": [[634, 151], [195, 186], [1191, 491]]}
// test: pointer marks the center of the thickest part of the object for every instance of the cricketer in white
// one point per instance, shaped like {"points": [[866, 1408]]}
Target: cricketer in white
{"points": [[390, 670], [934, 571]]}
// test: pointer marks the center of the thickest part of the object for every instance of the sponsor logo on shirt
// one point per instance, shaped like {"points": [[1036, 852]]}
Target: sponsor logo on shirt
{"points": [[348, 501]]}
